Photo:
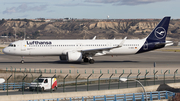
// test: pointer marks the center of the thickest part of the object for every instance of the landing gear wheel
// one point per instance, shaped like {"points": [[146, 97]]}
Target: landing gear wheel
{"points": [[22, 61], [86, 60], [91, 61]]}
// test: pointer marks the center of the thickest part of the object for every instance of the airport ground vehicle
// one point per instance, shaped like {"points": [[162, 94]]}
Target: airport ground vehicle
{"points": [[43, 83]]}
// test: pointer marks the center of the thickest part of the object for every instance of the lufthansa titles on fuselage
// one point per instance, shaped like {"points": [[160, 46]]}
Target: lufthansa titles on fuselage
{"points": [[39, 42]]}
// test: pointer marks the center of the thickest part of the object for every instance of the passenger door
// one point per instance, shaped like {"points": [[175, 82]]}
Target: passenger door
{"points": [[23, 46]]}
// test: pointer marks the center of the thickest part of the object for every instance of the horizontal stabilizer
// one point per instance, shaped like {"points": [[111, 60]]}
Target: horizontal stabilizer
{"points": [[169, 43]]}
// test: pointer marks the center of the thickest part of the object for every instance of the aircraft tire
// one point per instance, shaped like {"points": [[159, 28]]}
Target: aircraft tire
{"points": [[86, 60], [91, 61], [22, 61]]}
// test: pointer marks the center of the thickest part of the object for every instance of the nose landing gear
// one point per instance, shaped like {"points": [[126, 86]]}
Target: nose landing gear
{"points": [[22, 59]]}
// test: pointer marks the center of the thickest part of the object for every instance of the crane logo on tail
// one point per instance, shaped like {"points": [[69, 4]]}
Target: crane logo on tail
{"points": [[160, 32]]}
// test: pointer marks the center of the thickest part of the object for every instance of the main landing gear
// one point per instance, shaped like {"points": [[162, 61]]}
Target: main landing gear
{"points": [[91, 61]]}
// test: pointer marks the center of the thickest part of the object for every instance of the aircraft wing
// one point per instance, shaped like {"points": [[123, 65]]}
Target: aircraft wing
{"points": [[92, 52], [96, 50]]}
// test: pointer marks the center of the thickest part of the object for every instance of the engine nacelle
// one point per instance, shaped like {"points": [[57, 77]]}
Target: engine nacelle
{"points": [[74, 56], [63, 57]]}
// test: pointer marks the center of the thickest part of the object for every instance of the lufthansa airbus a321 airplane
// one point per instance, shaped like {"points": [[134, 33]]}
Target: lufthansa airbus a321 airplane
{"points": [[78, 50]]}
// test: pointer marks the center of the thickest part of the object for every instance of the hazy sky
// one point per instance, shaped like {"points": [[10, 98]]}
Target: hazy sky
{"points": [[90, 9]]}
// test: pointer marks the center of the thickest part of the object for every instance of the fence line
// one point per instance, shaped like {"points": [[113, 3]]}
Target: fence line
{"points": [[66, 84], [13, 86], [19, 85], [70, 71]]}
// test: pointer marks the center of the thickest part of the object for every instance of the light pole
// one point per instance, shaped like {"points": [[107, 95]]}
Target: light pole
{"points": [[124, 79]]}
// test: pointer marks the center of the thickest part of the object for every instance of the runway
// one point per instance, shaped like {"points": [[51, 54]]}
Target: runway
{"points": [[163, 60]]}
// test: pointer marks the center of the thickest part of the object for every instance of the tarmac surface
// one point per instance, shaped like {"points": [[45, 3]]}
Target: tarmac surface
{"points": [[127, 63]]}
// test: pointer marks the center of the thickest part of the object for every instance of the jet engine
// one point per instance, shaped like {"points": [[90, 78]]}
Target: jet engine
{"points": [[74, 56], [63, 57], [71, 56]]}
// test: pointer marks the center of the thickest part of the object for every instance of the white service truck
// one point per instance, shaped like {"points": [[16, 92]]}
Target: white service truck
{"points": [[43, 83]]}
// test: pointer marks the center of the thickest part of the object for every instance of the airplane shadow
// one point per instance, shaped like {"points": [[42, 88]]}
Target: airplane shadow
{"points": [[117, 61], [60, 62]]}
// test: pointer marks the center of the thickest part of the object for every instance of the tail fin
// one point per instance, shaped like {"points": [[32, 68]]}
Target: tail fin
{"points": [[159, 33], [157, 38]]}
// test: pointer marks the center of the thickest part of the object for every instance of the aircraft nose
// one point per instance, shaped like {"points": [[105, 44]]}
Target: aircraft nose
{"points": [[5, 50]]}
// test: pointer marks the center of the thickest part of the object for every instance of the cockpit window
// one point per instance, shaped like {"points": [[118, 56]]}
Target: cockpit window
{"points": [[12, 45]]}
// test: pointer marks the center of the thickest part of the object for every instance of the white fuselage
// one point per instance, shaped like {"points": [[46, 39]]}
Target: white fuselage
{"points": [[60, 47]]}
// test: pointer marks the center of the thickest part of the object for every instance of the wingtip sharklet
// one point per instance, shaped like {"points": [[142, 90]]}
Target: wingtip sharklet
{"points": [[122, 42], [94, 38]]}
